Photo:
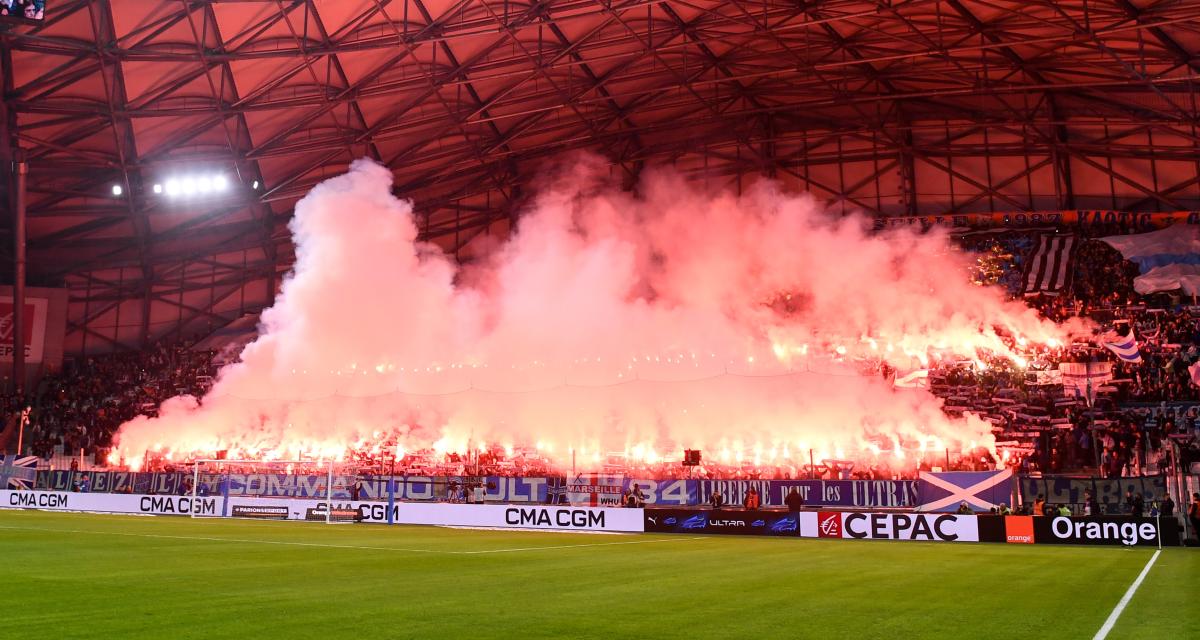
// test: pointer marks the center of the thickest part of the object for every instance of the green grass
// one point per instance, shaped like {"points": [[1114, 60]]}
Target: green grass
{"points": [[96, 576]]}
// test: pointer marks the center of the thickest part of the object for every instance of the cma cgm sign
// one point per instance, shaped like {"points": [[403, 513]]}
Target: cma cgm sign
{"points": [[557, 518]]}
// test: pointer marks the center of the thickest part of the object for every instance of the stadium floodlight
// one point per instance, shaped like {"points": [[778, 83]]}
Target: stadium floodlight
{"points": [[117, 190], [194, 185]]}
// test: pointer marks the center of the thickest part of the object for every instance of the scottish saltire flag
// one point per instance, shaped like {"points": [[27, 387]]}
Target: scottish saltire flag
{"points": [[1126, 348], [944, 491], [18, 472], [1169, 259]]}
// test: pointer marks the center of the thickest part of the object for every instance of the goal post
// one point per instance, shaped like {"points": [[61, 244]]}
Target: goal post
{"points": [[271, 489]]}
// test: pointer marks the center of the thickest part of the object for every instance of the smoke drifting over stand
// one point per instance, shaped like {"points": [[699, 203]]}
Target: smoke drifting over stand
{"points": [[609, 321]]}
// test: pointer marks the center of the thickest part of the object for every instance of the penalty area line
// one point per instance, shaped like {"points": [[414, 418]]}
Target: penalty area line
{"points": [[346, 546], [1116, 612]]}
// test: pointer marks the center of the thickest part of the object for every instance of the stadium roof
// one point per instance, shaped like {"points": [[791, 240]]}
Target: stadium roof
{"points": [[891, 107]]}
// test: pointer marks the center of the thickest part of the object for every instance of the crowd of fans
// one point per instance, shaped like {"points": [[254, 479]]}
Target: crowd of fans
{"points": [[81, 407], [1143, 419]]}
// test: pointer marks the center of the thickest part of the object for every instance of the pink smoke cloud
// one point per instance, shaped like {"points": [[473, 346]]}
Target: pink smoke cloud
{"points": [[609, 321]]}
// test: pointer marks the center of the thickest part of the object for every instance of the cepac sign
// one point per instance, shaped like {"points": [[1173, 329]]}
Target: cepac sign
{"points": [[910, 526], [829, 524]]}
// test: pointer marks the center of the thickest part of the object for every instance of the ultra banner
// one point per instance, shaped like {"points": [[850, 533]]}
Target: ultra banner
{"points": [[735, 522]]}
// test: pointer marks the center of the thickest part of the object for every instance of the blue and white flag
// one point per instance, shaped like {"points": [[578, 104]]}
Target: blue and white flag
{"points": [[1126, 348], [1169, 259], [18, 472], [945, 491]]}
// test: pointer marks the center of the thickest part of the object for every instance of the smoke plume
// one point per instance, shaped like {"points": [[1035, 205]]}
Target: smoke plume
{"points": [[750, 326]]}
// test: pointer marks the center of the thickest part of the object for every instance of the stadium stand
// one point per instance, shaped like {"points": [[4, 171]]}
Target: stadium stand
{"points": [[1127, 432]]}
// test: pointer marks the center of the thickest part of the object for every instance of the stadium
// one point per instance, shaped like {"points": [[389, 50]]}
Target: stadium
{"points": [[617, 319]]}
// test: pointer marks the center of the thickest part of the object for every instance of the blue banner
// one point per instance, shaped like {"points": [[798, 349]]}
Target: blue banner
{"points": [[772, 493]]}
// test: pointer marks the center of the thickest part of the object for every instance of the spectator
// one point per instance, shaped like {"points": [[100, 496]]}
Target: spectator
{"points": [[751, 500], [1064, 510], [1166, 506], [794, 500], [1090, 506], [1135, 503], [716, 500], [964, 508], [1039, 505]]}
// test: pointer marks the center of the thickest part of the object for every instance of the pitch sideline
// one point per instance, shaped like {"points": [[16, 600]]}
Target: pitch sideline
{"points": [[1116, 612]]}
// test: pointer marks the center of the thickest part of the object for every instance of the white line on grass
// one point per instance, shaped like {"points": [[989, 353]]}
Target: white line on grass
{"points": [[346, 546], [573, 546], [1116, 613]]}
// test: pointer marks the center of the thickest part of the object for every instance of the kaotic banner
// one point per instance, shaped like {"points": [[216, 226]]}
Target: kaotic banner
{"points": [[1057, 219], [734, 522]]}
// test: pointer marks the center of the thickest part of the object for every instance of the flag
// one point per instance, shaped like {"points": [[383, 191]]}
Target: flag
{"points": [[595, 490], [1126, 348], [556, 490], [1084, 378], [1194, 372], [1048, 270], [944, 491], [918, 379], [18, 472], [1168, 259]]}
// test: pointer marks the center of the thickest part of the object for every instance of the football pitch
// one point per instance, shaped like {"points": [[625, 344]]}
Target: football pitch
{"points": [[100, 576]]}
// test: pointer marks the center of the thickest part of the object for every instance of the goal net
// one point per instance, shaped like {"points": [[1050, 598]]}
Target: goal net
{"points": [[313, 490]]}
